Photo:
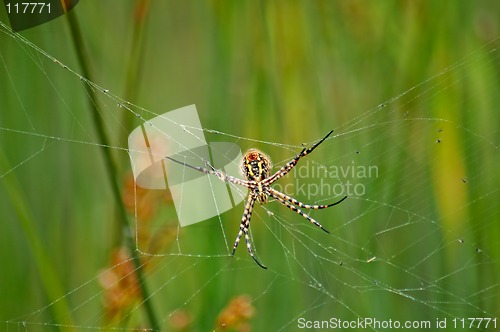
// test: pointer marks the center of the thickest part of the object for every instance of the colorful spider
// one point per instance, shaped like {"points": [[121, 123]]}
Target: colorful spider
{"points": [[256, 167]]}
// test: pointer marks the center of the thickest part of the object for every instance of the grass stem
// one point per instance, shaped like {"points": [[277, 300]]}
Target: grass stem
{"points": [[111, 167]]}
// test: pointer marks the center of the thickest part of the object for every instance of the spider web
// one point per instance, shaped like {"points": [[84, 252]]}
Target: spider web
{"points": [[416, 240]]}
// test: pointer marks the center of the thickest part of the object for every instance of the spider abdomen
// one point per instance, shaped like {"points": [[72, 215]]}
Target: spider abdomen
{"points": [[256, 165]]}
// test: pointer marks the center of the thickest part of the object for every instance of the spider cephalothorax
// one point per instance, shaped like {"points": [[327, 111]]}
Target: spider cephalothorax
{"points": [[256, 167]]}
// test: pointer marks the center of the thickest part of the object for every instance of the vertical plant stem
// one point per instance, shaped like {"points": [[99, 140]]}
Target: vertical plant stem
{"points": [[110, 167]]}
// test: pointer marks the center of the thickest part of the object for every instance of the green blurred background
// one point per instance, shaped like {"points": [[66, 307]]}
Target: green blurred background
{"points": [[411, 87]]}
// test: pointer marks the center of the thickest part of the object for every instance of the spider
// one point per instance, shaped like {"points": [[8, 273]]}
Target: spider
{"points": [[256, 167]]}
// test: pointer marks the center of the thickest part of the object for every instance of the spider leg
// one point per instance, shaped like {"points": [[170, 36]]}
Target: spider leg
{"points": [[249, 246], [299, 203], [245, 224], [295, 209], [219, 174], [291, 164], [228, 178]]}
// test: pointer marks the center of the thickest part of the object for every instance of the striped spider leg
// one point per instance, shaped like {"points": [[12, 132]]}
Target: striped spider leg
{"points": [[290, 203], [256, 167]]}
